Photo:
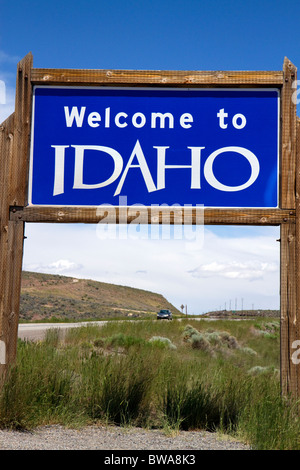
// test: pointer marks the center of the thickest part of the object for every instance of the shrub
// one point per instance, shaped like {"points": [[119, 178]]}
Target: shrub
{"points": [[257, 370], [228, 340], [199, 341], [249, 351], [188, 332], [162, 342], [268, 329], [209, 340]]}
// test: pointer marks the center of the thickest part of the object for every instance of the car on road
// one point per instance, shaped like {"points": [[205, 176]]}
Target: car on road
{"points": [[164, 314]]}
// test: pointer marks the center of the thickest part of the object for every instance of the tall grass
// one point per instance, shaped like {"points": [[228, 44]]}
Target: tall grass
{"points": [[155, 374], [113, 390]]}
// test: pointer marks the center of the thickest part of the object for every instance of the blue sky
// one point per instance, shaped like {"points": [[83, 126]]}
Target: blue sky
{"points": [[154, 34], [221, 265]]}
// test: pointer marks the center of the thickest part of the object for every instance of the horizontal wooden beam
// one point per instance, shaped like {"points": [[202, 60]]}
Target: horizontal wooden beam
{"points": [[152, 215], [156, 77]]}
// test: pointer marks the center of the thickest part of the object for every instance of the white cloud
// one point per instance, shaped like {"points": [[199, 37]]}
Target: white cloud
{"points": [[250, 270], [8, 71], [64, 265], [61, 266], [7, 98]]}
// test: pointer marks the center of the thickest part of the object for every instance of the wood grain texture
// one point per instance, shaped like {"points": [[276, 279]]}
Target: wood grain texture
{"points": [[290, 291], [288, 137], [155, 77], [15, 133], [6, 149], [296, 321], [123, 215], [20, 162], [288, 308], [290, 236]]}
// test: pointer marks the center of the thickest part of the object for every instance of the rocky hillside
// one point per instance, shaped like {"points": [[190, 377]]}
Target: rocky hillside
{"points": [[50, 297]]}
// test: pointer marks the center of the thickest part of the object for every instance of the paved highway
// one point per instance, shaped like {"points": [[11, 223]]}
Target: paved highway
{"points": [[37, 331]]}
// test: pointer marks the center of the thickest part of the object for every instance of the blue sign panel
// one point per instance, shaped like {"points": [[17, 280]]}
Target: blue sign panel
{"points": [[213, 147]]}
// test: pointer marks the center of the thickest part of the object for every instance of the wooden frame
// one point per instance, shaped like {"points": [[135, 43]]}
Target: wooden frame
{"points": [[14, 145], [14, 154], [154, 215]]}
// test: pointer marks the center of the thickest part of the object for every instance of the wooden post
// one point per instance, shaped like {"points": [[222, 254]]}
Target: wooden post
{"points": [[6, 144], [289, 286], [297, 264], [288, 137], [14, 151], [288, 329]]}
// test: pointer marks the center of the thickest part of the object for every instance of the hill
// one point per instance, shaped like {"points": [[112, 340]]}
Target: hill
{"points": [[50, 297], [227, 314]]}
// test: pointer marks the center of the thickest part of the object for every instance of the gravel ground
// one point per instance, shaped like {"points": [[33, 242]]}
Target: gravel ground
{"points": [[113, 438]]}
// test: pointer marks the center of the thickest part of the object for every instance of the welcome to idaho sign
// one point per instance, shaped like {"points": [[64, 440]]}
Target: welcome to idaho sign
{"points": [[211, 147], [96, 137]]}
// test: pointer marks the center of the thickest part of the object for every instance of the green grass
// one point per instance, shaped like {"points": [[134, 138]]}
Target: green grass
{"points": [[219, 376]]}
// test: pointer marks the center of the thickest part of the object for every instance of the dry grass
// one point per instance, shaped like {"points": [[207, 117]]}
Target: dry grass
{"points": [[156, 374]]}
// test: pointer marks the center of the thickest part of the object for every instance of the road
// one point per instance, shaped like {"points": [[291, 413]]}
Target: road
{"points": [[37, 331]]}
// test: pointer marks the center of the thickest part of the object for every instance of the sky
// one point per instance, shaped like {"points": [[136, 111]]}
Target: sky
{"points": [[210, 267]]}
